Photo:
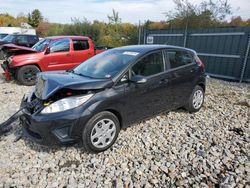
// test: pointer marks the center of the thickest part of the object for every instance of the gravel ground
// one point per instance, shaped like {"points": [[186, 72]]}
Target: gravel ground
{"points": [[210, 148]]}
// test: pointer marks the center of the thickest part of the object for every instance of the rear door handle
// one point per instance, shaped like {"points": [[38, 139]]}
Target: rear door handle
{"points": [[67, 55]]}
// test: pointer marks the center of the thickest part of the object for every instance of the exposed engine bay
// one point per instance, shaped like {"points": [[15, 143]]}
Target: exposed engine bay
{"points": [[38, 99]]}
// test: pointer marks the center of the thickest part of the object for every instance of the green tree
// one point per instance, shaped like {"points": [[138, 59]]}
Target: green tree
{"points": [[43, 28], [238, 21], [6, 19], [117, 33], [55, 29], [81, 27], [209, 13], [156, 25], [21, 18], [114, 18], [35, 17]]}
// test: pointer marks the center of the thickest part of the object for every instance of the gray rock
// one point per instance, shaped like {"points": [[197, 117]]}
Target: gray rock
{"points": [[164, 169], [169, 149], [183, 174], [154, 181]]}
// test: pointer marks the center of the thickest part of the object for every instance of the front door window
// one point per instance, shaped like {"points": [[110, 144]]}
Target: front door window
{"points": [[149, 65], [60, 46]]}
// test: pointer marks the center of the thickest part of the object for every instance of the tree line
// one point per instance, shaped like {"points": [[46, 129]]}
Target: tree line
{"points": [[113, 34], [207, 14]]}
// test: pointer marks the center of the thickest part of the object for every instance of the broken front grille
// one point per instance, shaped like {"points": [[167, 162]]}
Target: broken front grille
{"points": [[33, 104]]}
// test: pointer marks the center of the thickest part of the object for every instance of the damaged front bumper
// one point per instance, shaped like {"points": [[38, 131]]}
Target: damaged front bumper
{"points": [[54, 129]]}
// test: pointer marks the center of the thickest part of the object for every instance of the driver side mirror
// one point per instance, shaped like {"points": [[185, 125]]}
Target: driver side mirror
{"points": [[47, 51], [138, 79]]}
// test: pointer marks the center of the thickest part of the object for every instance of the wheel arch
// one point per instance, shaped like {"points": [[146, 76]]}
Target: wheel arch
{"points": [[35, 64], [117, 114], [202, 85]]}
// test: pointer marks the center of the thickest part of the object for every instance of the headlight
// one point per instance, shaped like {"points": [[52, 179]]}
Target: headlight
{"points": [[66, 104]]}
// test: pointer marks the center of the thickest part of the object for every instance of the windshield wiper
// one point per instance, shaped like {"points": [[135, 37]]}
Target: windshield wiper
{"points": [[80, 74], [85, 75]]}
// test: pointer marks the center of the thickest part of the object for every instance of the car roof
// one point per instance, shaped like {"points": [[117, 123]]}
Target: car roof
{"points": [[22, 34], [71, 37], [148, 48]]}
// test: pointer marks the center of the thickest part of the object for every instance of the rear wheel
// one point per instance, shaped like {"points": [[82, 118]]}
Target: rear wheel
{"points": [[196, 100], [100, 132], [26, 75]]}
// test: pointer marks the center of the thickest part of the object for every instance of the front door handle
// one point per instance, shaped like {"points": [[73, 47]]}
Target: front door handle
{"points": [[164, 81], [67, 55], [192, 70]]}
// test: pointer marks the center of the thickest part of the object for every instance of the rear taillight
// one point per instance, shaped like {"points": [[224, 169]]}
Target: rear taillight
{"points": [[199, 62]]}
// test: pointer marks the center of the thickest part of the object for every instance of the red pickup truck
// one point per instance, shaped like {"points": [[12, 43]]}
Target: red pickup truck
{"points": [[49, 54]]}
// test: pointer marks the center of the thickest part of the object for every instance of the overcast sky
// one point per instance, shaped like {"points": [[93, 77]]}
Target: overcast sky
{"points": [[61, 11]]}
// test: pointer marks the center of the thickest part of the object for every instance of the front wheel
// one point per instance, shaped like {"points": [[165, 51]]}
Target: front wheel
{"points": [[100, 132], [26, 75], [196, 99]]}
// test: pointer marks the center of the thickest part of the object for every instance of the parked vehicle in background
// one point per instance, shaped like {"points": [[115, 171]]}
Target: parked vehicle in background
{"points": [[20, 39], [24, 29], [49, 54], [2, 35], [110, 91]]}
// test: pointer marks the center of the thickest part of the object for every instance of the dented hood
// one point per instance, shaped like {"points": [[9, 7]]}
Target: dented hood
{"points": [[13, 47], [50, 82]]}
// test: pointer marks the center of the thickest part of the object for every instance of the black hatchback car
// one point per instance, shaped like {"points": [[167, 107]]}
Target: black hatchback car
{"points": [[110, 91]]}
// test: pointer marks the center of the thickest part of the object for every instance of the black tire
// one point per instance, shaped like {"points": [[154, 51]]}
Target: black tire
{"points": [[89, 130], [26, 75], [191, 106]]}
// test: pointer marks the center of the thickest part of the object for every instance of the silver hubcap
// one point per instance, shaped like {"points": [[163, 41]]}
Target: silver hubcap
{"points": [[197, 99], [103, 133]]}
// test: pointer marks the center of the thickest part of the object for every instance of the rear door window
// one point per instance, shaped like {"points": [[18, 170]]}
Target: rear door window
{"points": [[79, 45], [178, 58], [149, 65], [61, 45]]}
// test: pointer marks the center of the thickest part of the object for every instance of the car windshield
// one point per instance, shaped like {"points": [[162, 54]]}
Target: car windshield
{"points": [[41, 45], [9, 38], [106, 64]]}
